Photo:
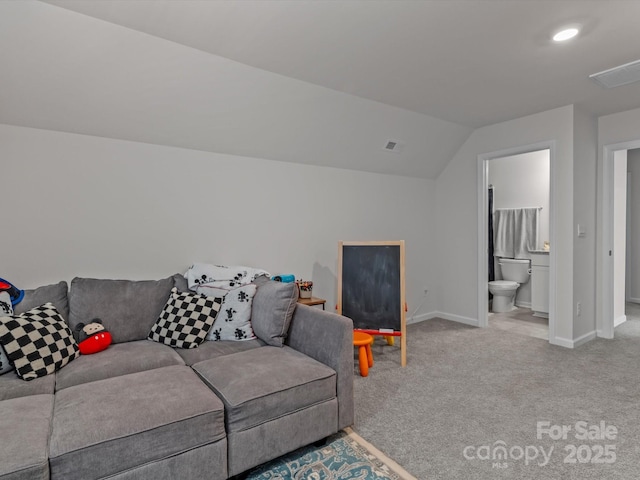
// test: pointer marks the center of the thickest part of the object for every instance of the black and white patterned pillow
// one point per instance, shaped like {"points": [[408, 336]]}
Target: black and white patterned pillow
{"points": [[234, 321], [6, 310], [38, 342], [185, 319]]}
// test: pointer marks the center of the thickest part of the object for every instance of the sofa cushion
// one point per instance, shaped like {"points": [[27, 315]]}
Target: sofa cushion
{"points": [[208, 350], [25, 424], [110, 426], [12, 386], [208, 462], [119, 359], [185, 319], [273, 307], [56, 294], [127, 308], [265, 383], [38, 342]]}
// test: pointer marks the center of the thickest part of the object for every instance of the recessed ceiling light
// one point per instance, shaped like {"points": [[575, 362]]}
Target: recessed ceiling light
{"points": [[566, 34]]}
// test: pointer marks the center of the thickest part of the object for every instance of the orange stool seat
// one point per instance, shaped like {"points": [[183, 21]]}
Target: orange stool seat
{"points": [[363, 341]]}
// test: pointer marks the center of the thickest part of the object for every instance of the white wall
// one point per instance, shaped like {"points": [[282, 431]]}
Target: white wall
{"points": [[585, 138], [521, 181], [78, 205], [456, 190], [619, 127], [633, 226], [69, 72]]}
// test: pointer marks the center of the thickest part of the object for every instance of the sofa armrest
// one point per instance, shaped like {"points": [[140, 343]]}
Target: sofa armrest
{"points": [[327, 338]]}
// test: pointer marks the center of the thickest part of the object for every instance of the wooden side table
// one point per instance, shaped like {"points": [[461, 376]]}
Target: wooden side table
{"points": [[312, 301]]}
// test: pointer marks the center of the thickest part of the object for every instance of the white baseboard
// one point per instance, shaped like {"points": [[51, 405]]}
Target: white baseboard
{"points": [[419, 318], [602, 335], [452, 317], [568, 343], [619, 321], [587, 337], [523, 304], [634, 300]]}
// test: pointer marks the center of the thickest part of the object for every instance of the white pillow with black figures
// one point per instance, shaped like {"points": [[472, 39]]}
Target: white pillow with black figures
{"points": [[234, 319], [6, 310]]}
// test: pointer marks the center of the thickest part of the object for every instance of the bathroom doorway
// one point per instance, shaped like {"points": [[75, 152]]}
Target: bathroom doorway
{"points": [[519, 187], [518, 183]]}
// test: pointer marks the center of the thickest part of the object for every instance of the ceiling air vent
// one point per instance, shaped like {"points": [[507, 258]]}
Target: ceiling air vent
{"points": [[393, 146], [618, 76]]}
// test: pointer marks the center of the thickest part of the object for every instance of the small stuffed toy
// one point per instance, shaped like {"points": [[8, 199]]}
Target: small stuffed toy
{"points": [[92, 337]]}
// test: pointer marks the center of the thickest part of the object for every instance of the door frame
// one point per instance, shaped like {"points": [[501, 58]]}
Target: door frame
{"points": [[604, 268], [483, 244]]}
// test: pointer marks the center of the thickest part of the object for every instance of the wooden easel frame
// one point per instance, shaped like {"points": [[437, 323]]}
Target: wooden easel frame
{"points": [[403, 304]]}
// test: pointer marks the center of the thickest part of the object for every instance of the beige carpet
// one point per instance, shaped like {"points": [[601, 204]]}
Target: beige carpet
{"points": [[468, 390]]}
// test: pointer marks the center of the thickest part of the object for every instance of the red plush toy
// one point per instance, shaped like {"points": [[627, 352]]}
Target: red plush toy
{"points": [[92, 337]]}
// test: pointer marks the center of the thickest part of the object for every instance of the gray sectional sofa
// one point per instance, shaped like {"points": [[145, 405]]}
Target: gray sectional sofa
{"points": [[144, 410]]}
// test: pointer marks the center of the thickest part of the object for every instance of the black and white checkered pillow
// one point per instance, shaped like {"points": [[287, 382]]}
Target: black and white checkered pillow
{"points": [[38, 342], [186, 319]]}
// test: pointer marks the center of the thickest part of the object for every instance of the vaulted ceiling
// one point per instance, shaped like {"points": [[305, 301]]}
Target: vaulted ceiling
{"points": [[308, 81]]}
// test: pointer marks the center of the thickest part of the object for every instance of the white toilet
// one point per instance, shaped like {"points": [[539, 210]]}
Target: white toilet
{"points": [[515, 272]]}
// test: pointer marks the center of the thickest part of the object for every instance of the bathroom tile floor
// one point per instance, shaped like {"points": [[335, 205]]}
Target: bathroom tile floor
{"points": [[520, 321]]}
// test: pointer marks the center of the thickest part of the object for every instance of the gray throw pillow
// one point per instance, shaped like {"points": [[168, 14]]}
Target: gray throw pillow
{"points": [[180, 282], [273, 307], [56, 294]]}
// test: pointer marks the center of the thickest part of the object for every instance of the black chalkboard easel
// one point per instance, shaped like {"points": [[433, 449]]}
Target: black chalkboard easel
{"points": [[371, 288]]}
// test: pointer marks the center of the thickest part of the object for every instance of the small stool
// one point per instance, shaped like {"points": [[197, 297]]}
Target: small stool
{"points": [[363, 341]]}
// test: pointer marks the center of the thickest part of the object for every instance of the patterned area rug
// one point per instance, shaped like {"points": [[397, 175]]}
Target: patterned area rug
{"points": [[344, 456]]}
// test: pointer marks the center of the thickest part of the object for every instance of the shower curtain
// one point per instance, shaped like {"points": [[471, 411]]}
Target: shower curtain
{"points": [[491, 270]]}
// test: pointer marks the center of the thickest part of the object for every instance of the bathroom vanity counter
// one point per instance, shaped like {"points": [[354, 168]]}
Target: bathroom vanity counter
{"points": [[540, 283]]}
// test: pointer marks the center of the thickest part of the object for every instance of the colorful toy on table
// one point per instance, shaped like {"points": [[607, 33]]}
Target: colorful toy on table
{"points": [[92, 337], [306, 287], [16, 294]]}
